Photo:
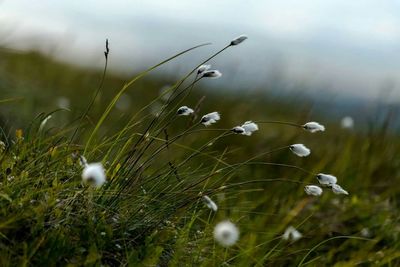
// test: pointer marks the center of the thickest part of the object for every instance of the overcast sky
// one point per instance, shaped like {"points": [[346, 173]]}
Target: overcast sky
{"points": [[341, 46]]}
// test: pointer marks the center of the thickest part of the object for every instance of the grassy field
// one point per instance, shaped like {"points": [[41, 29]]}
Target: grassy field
{"points": [[150, 212]]}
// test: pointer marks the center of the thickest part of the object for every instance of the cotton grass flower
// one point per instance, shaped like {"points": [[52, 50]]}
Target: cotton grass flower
{"points": [[226, 233], [210, 118], [202, 69], [347, 122], [313, 127], [94, 174], [291, 234], [313, 190], [210, 204], [238, 40], [249, 127], [300, 150], [213, 74], [326, 179], [184, 111], [246, 129], [337, 189]]}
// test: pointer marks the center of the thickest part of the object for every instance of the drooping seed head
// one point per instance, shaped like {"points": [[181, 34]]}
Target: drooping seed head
{"points": [[184, 111], [246, 129], [213, 74], [337, 189], [313, 127], [313, 190], [249, 127], [210, 118], [326, 179], [300, 150]]}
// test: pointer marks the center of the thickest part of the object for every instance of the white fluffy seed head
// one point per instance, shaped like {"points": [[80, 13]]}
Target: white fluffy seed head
{"points": [[214, 74], [210, 118], [249, 127], [337, 189], [226, 233], [246, 129], [313, 190], [347, 122], [300, 150], [202, 69], [94, 174], [184, 111], [291, 234], [209, 203], [313, 127], [238, 39], [326, 179]]}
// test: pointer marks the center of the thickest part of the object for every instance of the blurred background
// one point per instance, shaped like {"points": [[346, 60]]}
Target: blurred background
{"points": [[344, 57], [344, 49]]}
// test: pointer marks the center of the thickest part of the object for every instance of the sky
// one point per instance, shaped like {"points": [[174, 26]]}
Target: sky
{"points": [[339, 47]]}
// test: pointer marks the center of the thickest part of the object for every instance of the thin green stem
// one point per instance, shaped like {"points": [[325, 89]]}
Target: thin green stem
{"points": [[280, 122]]}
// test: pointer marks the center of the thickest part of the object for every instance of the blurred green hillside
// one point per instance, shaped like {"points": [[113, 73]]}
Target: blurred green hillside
{"points": [[262, 198], [35, 83]]}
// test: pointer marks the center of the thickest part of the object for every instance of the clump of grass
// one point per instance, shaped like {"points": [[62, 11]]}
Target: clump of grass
{"points": [[160, 168]]}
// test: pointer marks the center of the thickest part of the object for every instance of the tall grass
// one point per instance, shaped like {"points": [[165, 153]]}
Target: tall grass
{"points": [[159, 165]]}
